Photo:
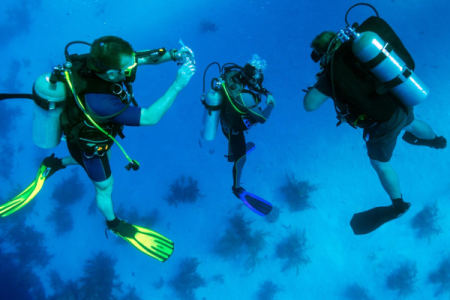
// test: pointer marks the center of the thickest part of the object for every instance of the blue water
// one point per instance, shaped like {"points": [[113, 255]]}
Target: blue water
{"points": [[294, 142]]}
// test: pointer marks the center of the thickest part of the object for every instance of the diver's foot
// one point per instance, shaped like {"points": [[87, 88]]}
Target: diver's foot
{"points": [[53, 164], [439, 142], [400, 207], [237, 191]]}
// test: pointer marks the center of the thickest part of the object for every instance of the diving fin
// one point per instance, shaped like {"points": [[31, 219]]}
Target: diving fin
{"points": [[367, 221], [255, 203], [439, 142], [249, 148], [145, 240], [47, 168]]}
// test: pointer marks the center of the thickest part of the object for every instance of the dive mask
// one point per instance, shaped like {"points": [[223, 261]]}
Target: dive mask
{"points": [[316, 57]]}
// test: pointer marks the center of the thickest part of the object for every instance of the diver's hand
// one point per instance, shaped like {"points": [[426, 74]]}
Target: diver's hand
{"points": [[184, 74], [270, 100]]}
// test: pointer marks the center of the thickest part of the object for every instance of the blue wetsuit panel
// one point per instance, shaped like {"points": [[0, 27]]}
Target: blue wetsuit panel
{"points": [[97, 167], [107, 104]]}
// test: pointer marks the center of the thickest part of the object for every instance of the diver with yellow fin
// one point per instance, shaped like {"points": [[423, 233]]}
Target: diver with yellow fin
{"points": [[88, 98], [234, 99]]}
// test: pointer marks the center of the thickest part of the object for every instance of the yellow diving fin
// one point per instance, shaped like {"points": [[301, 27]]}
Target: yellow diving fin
{"points": [[145, 240], [48, 167]]}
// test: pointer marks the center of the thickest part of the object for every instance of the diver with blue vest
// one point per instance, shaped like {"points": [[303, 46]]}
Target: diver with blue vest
{"points": [[234, 99], [88, 99], [370, 76]]}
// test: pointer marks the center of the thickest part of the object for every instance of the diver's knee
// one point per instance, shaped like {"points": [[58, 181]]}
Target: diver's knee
{"points": [[380, 166], [104, 187]]}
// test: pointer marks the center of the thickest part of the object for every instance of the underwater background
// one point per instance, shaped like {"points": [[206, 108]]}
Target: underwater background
{"points": [[316, 174]]}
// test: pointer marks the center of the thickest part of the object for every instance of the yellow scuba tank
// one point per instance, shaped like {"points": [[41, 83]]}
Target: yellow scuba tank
{"points": [[49, 98], [212, 103], [389, 68]]}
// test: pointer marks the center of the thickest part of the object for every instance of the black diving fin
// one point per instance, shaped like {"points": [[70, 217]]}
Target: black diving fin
{"points": [[367, 221]]}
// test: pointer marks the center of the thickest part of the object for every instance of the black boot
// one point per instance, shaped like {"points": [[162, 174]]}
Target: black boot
{"points": [[439, 142]]}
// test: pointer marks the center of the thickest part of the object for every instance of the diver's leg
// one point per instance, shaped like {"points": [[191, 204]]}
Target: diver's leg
{"points": [[237, 145], [69, 161], [103, 192], [421, 130], [388, 178]]}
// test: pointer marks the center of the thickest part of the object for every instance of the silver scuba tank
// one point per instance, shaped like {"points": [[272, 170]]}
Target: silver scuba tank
{"points": [[211, 114], [391, 70], [49, 104]]}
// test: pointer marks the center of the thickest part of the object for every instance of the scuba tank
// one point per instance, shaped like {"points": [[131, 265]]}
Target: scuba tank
{"points": [[382, 61], [389, 68], [50, 100], [213, 104]]}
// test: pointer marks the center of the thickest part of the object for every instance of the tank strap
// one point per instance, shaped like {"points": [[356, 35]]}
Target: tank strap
{"points": [[387, 86], [379, 58], [16, 96]]}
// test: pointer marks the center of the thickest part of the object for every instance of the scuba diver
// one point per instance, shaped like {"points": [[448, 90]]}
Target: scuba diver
{"points": [[369, 74], [235, 99], [88, 98]]}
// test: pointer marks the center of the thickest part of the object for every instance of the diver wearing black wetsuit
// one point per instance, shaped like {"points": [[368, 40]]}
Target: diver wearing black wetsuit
{"points": [[240, 111]]}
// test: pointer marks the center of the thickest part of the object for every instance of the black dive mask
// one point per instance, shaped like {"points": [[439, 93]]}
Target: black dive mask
{"points": [[251, 77], [316, 57]]}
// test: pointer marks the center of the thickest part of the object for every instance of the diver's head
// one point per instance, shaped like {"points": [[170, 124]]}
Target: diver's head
{"points": [[252, 73], [111, 58], [320, 46]]}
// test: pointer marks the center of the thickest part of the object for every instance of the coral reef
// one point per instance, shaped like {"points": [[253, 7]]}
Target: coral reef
{"points": [[187, 280], [255, 244], [29, 245], [403, 279], [69, 191], [441, 277], [99, 281], [268, 290], [100, 278], [183, 192], [240, 236], [274, 215], [426, 222], [234, 238], [21, 250], [18, 281], [355, 291], [61, 219], [206, 25], [292, 249], [297, 194]]}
